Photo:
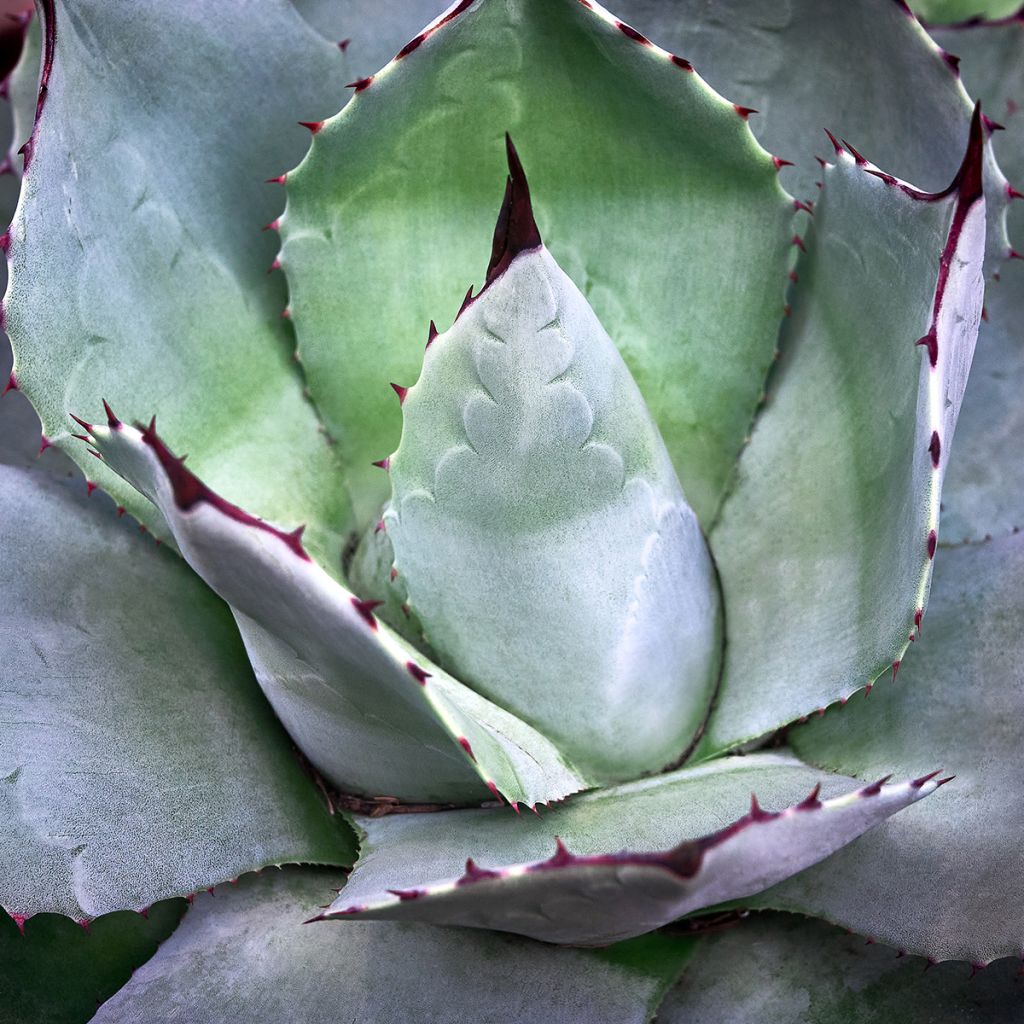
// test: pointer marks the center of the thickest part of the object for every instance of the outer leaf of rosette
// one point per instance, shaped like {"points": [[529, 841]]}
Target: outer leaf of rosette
{"points": [[617, 862], [365, 707], [137, 266], [825, 546], [651, 193], [538, 525]]}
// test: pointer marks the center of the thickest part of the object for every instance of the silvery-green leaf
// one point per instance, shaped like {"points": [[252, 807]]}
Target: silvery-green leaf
{"points": [[864, 69], [138, 270], [372, 713], [244, 954], [618, 862], [825, 546], [943, 879], [138, 758], [650, 191], [785, 969], [539, 529]]}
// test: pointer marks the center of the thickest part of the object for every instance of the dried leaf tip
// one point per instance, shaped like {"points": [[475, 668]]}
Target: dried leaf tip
{"points": [[516, 229]]}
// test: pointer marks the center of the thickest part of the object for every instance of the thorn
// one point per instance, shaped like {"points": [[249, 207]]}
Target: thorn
{"points": [[112, 421], [918, 616], [393, 574], [81, 437], [780, 163], [464, 743], [976, 968], [313, 126], [680, 62], [1013, 193], [876, 787], [343, 44], [276, 265], [286, 314], [379, 528], [744, 112], [835, 145], [860, 160], [918, 783], [942, 782], [757, 813], [5, 241], [992, 126], [400, 391], [895, 669], [279, 180], [431, 334], [274, 225], [811, 801], [935, 448], [1014, 255], [794, 276], [798, 242], [465, 302], [19, 920], [384, 464], [45, 442], [933, 540], [494, 790], [420, 675], [799, 204], [89, 488], [931, 342], [365, 610], [120, 510], [12, 385], [631, 33], [360, 84]]}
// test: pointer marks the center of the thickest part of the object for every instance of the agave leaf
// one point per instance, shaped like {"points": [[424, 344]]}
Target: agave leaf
{"points": [[984, 492], [369, 711], [941, 11], [865, 69], [941, 883], [650, 191], [370, 32], [539, 528], [136, 744], [245, 955], [617, 862], [776, 967], [826, 544], [54, 971], [137, 265]]}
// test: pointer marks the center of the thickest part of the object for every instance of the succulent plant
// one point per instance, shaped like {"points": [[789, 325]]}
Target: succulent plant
{"points": [[562, 640]]}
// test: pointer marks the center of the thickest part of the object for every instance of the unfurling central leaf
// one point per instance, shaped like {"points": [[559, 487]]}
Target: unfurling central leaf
{"points": [[539, 528]]}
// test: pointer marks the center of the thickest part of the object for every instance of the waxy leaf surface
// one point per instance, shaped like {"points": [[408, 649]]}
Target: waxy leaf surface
{"points": [[138, 758], [825, 545], [390, 213], [244, 954], [618, 862]]}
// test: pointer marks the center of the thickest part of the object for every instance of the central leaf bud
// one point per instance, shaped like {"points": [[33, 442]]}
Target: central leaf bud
{"points": [[538, 525]]}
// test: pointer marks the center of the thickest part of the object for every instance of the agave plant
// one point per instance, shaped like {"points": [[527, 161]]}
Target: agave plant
{"points": [[556, 639]]}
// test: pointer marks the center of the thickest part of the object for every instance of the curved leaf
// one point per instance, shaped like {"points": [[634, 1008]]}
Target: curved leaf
{"points": [[367, 709], [370, 32], [138, 759], [54, 971], [650, 192], [940, 881], [864, 69], [137, 268], [826, 543], [245, 955], [617, 862], [539, 529], [984, 491], [778, 968]]}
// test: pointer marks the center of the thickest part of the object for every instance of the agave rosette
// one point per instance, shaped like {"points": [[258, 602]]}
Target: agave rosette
{"points": [[666, 481]]}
